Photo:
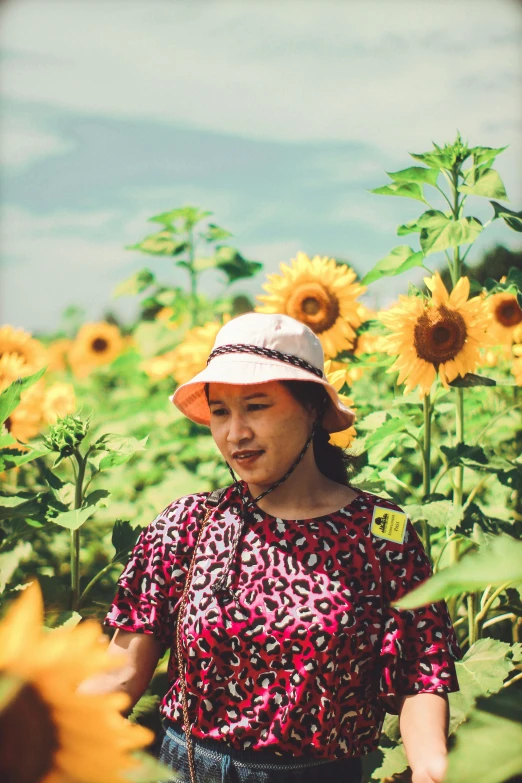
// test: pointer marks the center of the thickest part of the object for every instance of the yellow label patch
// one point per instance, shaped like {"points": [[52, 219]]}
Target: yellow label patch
{"points": [[389, 524]]}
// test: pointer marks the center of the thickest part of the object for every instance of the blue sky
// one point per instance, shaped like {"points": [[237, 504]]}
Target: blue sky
{"points": [[276, 117]]}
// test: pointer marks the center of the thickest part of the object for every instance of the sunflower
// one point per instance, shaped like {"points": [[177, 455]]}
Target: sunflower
{"points": [[337, 375], [441, 335], [57, 353], [506, 316], [159, 367], [322, 295], [190, 356], [26, 421], [12, 367], [74, 737], [59, 400], [19, 343], [95, 344]]}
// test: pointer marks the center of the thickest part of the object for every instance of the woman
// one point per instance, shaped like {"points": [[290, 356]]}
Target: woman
{"points": [[287, 651]]}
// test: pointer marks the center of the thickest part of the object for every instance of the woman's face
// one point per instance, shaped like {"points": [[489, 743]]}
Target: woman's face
{"points": [[259, 429]]}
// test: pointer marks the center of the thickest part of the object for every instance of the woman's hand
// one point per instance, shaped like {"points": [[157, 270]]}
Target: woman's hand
{"points": [[433, 772]]}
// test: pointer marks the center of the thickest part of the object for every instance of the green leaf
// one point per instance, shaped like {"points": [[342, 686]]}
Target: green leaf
{"points": [[135, 284], [470, 379], [474, 457], [489, 744], [510, 218], [67, 619], [438, 513], [11, 560], [412, 227], [390, 427], [99, 498], [393, 763], [124, 537], [439, 159], [481, 672], [415, 174], [118, 449], [215, 233], [234, 265], [10, 397], [373, 420], [495, 564], [74, 519], [150, 770], [160, 244], [403, 189], [398, 260], [146, 705], [186, 216], [12, 458], [20, 507], [487, 184], [439, 232], [483, 155]]}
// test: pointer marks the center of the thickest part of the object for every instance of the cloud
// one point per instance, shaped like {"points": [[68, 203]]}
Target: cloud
{"points": [[393, 74], [22, 144]]}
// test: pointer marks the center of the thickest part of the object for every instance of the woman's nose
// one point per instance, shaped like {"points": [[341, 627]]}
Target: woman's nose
{"points": [[239, 429]]}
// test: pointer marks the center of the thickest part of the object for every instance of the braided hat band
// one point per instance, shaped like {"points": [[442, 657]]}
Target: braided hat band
{"points": [[269, 352], [257, 348]]}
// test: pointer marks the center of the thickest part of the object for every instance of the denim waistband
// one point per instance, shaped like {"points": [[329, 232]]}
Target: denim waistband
{"points": [[262, 758]]}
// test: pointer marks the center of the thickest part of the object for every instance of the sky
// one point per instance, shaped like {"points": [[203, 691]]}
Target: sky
{"points": [[277, 117]]}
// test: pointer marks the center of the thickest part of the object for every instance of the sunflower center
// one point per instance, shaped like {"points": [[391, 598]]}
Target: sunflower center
{"points": [[314, 305], [439, 335], [26, 717], [508, 313], [99, 345]]}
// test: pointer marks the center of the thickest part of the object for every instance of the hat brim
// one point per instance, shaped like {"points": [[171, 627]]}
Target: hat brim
{"points": [[243, 369]]}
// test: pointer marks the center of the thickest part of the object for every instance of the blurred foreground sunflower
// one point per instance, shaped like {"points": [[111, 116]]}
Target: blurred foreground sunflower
{"points": [[96, 344], [49, 732], [441, 335], [506, 315], [338, 375], [11, 368], [20, 344], [321, 294]]}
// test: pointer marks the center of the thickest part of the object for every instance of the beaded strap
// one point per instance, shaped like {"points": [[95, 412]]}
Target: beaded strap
{"points": [[270, 353]]}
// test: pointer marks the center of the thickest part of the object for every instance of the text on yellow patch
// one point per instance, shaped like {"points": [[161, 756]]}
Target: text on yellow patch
{"points": [[389, 524]]}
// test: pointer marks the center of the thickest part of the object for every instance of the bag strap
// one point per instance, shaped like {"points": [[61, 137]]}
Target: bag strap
{"points": [[215, 497]]}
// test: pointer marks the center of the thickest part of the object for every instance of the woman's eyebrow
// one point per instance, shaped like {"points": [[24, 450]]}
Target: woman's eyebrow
{"points": [[249, 397]]}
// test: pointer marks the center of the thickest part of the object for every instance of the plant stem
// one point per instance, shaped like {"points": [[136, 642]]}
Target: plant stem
{"points": [[472, 629], [426, 453], [75, 534], [93, 581], [459, 432], [193, 280]]}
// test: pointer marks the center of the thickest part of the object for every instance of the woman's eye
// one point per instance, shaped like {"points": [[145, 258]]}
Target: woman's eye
{"points": [[258, 407], [218, 412]]}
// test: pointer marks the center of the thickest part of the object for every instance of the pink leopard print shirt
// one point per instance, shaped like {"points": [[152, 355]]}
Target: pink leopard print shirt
{"points": [[314, 655]]}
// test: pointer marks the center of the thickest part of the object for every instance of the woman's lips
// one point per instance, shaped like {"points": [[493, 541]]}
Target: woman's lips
{"points": [[248, 458]]}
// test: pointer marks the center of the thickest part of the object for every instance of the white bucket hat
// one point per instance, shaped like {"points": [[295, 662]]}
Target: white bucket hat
{"points": [[257, 348]]}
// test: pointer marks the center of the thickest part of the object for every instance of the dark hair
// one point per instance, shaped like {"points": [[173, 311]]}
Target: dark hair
{"points": [[333, 461]]}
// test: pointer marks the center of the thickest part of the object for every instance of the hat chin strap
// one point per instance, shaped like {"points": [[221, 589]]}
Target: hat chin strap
{"points": [[222, 584]]}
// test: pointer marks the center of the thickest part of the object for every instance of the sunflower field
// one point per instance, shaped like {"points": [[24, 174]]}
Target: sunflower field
{"points": [[91, 450]]}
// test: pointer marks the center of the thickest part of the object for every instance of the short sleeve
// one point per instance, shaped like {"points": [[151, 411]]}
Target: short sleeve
{"points": [[419, 646], [151, 584]]}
